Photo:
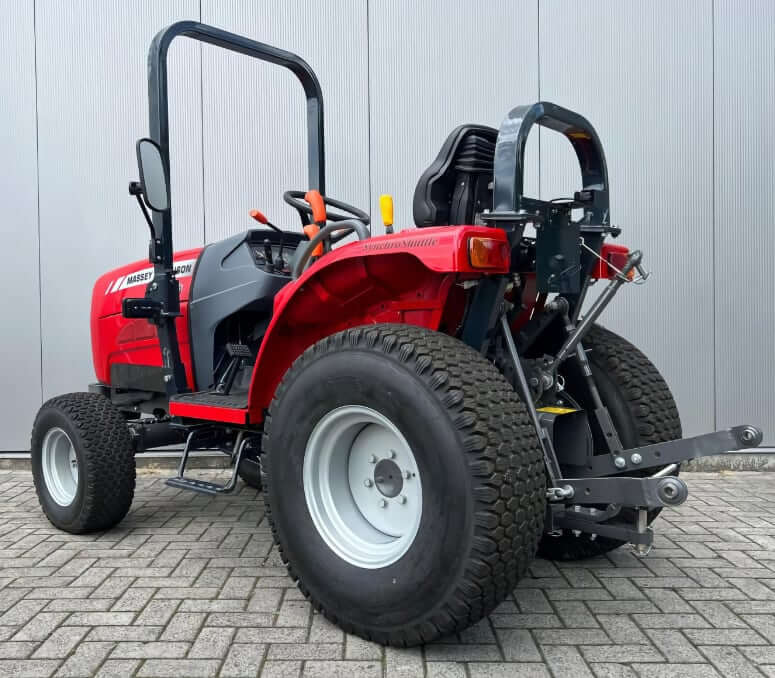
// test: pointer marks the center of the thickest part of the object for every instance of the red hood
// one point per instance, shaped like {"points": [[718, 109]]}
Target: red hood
{"points": [[130, 281]]}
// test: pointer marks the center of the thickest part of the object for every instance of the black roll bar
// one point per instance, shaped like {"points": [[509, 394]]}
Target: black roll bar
{"points": [[164, 291], [509, 170], [158, 104]]}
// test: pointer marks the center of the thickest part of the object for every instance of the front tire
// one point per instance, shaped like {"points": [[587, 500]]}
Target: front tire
{"points": [[83, 463], [450, 519]]}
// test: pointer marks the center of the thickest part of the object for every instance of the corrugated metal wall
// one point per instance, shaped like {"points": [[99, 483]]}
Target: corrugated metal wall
{"points": [[682, 94]]}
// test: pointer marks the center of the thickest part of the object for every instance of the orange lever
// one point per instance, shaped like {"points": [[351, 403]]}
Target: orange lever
{"points": [[315, 201], [311, 231], [259, 217]]}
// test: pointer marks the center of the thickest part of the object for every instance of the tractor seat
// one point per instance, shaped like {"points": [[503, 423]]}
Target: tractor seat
{"points": [[457, 187]]}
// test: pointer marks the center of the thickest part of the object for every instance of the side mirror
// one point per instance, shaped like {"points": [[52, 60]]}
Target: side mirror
{"points": [[154, 179]]}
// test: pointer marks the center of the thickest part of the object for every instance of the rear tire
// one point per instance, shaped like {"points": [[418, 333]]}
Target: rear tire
{"points": [[83, 464], [470, 473], [643, 412]]}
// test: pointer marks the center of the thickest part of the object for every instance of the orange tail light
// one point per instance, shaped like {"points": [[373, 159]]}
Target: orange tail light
{"points": [[488, 253]]}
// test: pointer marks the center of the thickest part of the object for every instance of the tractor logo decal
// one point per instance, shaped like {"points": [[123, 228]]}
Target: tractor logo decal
{"points": [[400, 244], [183, 269]]}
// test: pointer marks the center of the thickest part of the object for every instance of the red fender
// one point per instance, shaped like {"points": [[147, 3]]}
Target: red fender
{"points": [[404, 277]]}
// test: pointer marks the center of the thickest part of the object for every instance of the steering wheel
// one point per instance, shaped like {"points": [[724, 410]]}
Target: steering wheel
{"points": [[296, 200]]}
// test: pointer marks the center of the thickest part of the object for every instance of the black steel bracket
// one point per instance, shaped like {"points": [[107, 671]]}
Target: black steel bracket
{"points": [[672, 452], [621, 491]]}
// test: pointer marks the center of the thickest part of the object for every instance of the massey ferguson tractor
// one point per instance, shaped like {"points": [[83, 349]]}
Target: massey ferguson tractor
{"points": [[425, 410]]}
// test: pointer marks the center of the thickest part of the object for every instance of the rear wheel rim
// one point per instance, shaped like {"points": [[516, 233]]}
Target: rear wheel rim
{"points": [[362, 486], [60, 466]]}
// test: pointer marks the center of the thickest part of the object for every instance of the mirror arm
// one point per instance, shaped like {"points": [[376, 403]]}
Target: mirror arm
{"points": [[147, 217], [136, 190]]}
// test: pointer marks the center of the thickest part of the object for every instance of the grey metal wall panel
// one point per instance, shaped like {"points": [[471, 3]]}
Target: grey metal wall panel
{"points": [[19, 302], [255, 113], [642, 74], [434, 65], [93, 105], [744, 108]]}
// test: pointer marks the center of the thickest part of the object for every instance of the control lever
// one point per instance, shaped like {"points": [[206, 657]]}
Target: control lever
{"points": [[386, 207], [319, 217], [268, 254], [261, 219]]}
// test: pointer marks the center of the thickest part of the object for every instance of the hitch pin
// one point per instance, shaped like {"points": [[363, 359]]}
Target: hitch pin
{"points": [[642, 526]]}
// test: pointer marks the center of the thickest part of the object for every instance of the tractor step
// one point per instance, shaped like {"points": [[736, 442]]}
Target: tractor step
{"points": [[231, 408], [195, 485], [204, 487]]}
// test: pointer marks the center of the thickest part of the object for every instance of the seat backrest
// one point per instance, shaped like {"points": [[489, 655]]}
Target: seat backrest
{"points": [[458, 184]]}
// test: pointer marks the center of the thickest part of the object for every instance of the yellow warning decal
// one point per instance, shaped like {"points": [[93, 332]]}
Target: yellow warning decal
{"points": [[557, 410]]}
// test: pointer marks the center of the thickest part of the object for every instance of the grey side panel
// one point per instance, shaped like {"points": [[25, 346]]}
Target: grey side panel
{"points": [[744, 108], [20, 300], [226, 280]]}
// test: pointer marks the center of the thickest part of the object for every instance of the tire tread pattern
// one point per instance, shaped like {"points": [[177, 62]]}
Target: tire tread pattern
{"points": [[653, 411], [505, 464], [107, 453]]}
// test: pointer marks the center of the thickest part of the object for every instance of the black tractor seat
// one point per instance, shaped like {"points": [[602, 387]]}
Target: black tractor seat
{"points": [[458, 185]]}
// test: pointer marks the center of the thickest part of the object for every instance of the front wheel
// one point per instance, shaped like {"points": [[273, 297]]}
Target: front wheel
{"points": [[83, 462], [404, 483]]}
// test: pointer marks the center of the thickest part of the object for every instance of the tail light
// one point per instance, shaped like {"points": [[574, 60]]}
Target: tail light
{"points": [[612, 259], [488, 253]]}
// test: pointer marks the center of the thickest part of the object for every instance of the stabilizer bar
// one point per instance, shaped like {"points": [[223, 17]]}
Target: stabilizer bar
{"points": [[637, 492], [674, 451]]}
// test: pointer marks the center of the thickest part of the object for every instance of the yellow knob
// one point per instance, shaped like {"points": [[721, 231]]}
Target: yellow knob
{"points": [[386, 207]]}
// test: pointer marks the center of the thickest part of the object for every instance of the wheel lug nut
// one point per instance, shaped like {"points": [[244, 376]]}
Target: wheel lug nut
{"points": [[373, 459], [401, 499], [382, 503], [392, 454], [368, 482], [406, 475]]}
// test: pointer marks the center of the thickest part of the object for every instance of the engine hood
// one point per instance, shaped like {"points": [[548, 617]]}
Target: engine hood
{"points": [[131, 280]]}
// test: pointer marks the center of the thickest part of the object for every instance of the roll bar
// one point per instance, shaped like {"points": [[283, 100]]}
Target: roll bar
{"points": [[163, 294], [158, 104], [509, 203]]}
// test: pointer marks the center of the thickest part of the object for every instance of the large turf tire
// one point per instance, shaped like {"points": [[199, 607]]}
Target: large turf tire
{"points": [[483, 484], [643, 412], [102, 446]]}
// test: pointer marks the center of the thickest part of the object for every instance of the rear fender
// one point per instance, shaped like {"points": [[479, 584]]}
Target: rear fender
{"points": [[400, 278]]}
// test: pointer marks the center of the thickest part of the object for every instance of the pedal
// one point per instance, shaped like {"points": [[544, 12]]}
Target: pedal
{"points": [[239, 351], [203, 486]]}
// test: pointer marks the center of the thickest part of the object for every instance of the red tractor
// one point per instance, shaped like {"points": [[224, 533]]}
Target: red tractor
{"points": [[426, 410]]}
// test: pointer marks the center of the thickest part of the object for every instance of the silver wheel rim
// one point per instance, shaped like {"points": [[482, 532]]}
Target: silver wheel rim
{"points": [[60, 466], [362, 486]]}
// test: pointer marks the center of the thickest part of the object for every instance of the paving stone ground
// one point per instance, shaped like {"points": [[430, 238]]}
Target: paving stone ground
{"points": [[191, 586]]}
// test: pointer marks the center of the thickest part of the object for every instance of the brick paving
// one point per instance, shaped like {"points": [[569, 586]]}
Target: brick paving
{"points": [[191, 586]]}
